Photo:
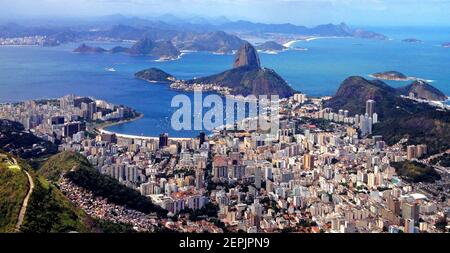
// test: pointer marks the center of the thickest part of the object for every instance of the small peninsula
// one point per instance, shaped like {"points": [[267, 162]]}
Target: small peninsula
{"points": [[422, 90], [446, 45], [155, 75], [271, 47]]}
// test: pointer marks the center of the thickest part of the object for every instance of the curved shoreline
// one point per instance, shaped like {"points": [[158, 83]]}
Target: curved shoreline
{"points": [[100, 128]]}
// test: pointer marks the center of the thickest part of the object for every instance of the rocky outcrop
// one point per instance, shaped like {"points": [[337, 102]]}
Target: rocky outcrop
{"points": [[247, 77], [247, 56], [422, 90], [85, 49]]}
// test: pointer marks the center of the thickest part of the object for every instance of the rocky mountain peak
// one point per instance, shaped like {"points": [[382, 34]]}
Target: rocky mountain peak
{"points": [[247, 56]]}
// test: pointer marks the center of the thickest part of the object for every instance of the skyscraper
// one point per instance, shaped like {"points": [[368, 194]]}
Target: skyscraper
{"points": [[163, 140], [258, 176], [202, 138], [308, 162], [410, 211], [421, 150], [411, 152], [370, 107], [394, 205]]}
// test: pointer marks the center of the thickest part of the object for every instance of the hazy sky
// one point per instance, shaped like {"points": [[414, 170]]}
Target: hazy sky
{"points": [[306, 12]]}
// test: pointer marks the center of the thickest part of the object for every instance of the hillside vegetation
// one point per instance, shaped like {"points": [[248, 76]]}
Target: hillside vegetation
{"points": [[13, 189], [14, 139], [416, 172], [49, 211], [60, 164], [79, 171], [398, 117]]}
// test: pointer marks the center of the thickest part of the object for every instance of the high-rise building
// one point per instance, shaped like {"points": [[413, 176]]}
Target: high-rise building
{"points": [[411, 152], [220, 167], [89, 109], [163, 140], [268, 175], [202, 138], [409, 226], [410, 211], [370, 107], [371, 180], [258, 176], [199, 179], [394, 205], [72, 128], [57, 120], [308, 162], [375, 118], [421, 150], [106, 137]]}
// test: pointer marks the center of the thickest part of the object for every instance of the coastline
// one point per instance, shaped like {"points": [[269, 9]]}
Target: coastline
{"points": [[289, 44], [100, 128], [409, 78]]}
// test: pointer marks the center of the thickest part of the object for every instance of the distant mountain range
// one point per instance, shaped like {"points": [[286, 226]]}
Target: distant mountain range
{"points": [[340, 30], [218, 36], [399, 117]]}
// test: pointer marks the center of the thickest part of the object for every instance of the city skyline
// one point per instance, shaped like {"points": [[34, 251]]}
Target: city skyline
{"points": [[170, 117]]}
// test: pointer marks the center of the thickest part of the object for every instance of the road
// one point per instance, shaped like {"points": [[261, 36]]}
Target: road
{"points": [[23, 210]]}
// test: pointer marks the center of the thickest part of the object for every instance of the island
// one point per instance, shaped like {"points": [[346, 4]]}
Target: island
{"points": [[392, 76], [163, 50], [155, 75], [85, 49], [271, 47], [446, 45], [412, 40]]}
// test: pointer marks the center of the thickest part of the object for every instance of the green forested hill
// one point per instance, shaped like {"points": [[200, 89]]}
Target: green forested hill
{"points": [[13, 189]]}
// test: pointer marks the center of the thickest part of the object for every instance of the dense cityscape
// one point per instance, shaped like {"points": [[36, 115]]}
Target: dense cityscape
{"points": [[323, 171], [224, 125]]}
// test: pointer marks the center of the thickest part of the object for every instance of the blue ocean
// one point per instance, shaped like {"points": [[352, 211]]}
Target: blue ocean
{"points": [[36, 72]]}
